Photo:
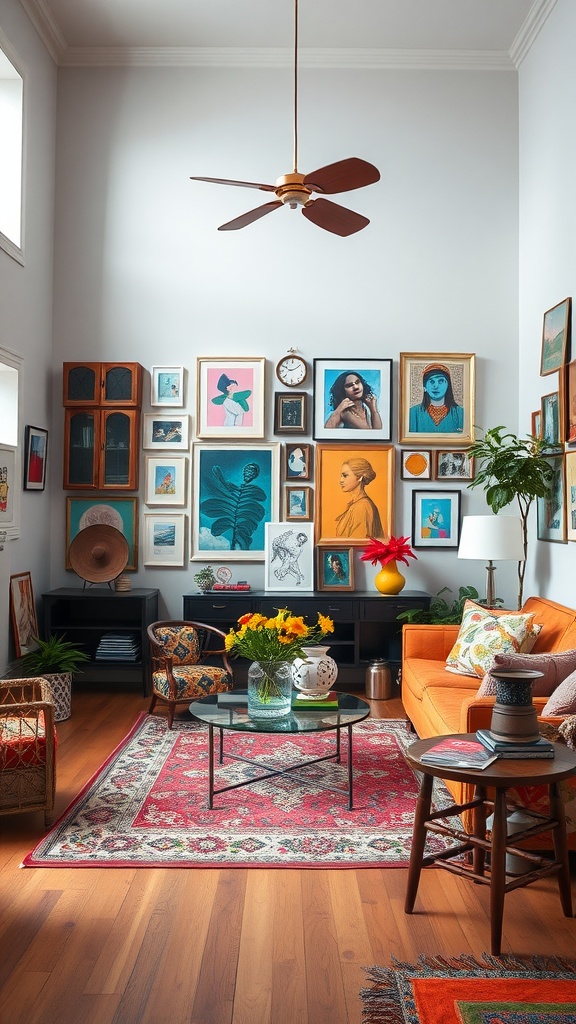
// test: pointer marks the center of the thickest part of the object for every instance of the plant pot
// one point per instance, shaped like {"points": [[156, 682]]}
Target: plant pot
{"points": [[60, 687], [269, 689], [388, 580]]}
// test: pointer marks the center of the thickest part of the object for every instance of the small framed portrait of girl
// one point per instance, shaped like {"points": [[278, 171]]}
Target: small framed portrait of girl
{"points": [[335, 568], [437, 398], [353, 400]]}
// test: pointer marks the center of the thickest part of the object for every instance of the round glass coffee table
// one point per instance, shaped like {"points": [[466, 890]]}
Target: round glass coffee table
{"points": [[229, 711]]}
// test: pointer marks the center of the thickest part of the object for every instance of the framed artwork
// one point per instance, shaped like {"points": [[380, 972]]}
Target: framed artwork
{"points": [[236, 492], [164, 539], [435, 519], [415, 464], [354, 492], [551, 511], [453, 465], [353, 395], [162, 432], [23, 613], [121, 513], [298, 503], [335, 568], [570, 474], [536, 423], [165, 480], [8, 488], [35, 451], [230, 398], [298, 462], [290, 412], [167, 385], [437, 397], [570, 404], [550, 418], [289, 557], [555, 337]]}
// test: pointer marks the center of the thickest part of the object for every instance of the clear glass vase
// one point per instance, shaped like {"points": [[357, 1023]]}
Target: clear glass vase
{"points": [[269, 689]]}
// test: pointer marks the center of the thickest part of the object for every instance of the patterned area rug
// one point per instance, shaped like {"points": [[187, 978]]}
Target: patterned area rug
{"points": [[148, 805], [497, 990]]}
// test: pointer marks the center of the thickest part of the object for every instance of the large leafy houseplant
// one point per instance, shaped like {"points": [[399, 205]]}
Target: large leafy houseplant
{"points": [[440, 612], [52, 656], [512, 468]]}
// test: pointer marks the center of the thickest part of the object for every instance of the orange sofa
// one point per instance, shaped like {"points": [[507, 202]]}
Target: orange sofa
{"points": [[438, 702]]}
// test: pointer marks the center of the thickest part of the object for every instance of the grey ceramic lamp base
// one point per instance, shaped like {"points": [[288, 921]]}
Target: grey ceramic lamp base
{"points": [[514, 717]]}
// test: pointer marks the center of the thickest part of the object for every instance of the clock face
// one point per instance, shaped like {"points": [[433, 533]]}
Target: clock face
{"points": [[292, 371]]}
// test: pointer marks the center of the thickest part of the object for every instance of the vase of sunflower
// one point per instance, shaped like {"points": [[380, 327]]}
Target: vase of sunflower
{"points": [[272, 644]]}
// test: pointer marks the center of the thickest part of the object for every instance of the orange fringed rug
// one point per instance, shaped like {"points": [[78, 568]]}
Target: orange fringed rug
{"points": [[463, 990]]}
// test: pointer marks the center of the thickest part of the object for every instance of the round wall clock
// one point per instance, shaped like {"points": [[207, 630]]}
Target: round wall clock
{"points": [[292, 370]]}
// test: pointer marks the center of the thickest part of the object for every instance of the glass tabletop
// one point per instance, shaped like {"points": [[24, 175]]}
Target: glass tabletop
{"points": [[230, 711]]}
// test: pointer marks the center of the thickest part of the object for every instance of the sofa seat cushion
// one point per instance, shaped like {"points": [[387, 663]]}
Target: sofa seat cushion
{"points": [[442, 708], [192, 681], [22, 742], [420, 673]]}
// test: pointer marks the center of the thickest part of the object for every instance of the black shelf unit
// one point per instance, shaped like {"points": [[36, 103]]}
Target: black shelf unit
{"points": [[366, 623], [84, 616]]}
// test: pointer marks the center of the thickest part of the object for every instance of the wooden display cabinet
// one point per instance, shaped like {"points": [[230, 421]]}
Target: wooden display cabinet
{"points": [[102, 384], [101, 448]]}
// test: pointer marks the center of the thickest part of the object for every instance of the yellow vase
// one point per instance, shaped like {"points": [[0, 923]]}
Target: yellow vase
{"points": [[389, 580]]}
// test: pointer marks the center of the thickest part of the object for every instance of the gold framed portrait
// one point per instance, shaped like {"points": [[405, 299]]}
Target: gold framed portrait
{"points": [[437, 398], [354, 493]]}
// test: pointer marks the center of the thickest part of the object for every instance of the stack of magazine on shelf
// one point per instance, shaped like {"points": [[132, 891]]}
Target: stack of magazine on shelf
{"points": [[118, 647], [518, 751], [458, 752]]}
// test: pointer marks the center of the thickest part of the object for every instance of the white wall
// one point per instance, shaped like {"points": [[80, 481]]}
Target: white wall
{"points": [[547, 83], [26, 295], [141, 272]]}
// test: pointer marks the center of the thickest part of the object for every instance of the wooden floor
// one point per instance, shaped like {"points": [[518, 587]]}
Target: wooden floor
{"points": [[203, 946]]}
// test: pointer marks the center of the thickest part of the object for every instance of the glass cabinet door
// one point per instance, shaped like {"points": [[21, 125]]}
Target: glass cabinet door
{"points": [[120, 449], [122, 384], [81, 384], [80, 448]]}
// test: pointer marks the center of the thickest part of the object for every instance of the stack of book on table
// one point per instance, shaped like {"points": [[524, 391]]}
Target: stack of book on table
{"points": [[537, 748], [118, 647], [454, 752]]}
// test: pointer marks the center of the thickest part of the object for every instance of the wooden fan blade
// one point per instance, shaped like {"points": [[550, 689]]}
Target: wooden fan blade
{"points": [[250, 217], [334, 218], [342, 176], [242, 184]]}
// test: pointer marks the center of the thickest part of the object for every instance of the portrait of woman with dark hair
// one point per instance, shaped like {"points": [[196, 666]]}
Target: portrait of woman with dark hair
{"points": [[353, 403], [438, 412]]}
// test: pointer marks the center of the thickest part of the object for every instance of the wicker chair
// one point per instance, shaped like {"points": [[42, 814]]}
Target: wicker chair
{"points": [[188, 661], [27, 748]]}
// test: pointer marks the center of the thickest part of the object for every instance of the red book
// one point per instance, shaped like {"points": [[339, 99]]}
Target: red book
{"points": [[458, 752]]}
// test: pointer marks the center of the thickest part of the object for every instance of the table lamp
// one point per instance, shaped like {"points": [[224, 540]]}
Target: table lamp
{"points": [[491, 538]]}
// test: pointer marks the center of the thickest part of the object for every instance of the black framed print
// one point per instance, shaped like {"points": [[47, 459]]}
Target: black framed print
{"points": [[290, 412], [353, 399], [35, 451], [435, 519]]}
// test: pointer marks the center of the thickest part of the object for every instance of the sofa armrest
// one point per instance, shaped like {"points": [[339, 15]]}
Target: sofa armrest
{"points": [[424, 640], [476, 713]]}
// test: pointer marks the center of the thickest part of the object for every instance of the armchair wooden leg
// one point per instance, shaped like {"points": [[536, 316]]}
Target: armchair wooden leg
{"points": [[171, 710]]}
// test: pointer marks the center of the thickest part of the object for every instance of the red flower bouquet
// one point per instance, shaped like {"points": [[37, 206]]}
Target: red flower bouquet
{"points": [[392, 550]]}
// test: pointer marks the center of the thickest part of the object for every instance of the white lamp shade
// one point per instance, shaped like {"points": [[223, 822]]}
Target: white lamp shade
{"points": [[492, 538]]}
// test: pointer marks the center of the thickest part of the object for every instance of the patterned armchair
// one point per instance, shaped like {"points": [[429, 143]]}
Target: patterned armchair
{"points": [[188, 661], [27, 748]]}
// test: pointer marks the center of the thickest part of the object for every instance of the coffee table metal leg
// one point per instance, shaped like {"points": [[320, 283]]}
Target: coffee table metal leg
{"points": [[211, 765], [498, 871], [418, 841], [350, 771], [561, 847]]}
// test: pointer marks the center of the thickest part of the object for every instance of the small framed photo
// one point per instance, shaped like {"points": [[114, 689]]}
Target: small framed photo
{"points": [[453, 465], [570, 467], [231, 398], [35, 451], [570, 404], [23, 613], [536, 424], [416, 464], [555, 337], [298, 503], [297, 461], [550, 418], [354, 492], [164, 539], [435, 519], [437, 397], [335, 568], [289, 557], [167, 385], [122, 513], [551, 511], [353, 395], [290, 412], [162, 432], [165, 480]]}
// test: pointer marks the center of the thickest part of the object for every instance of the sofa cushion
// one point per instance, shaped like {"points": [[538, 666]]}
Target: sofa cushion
{"points": [[483, 634], [562, 700], [555, 666]]}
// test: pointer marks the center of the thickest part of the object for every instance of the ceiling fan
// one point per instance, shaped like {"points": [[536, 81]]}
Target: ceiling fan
{"points": [[296, 189]]}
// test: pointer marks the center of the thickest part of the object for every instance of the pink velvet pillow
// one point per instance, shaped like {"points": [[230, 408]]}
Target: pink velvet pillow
{"points": [[563, 699], [555, 667]]}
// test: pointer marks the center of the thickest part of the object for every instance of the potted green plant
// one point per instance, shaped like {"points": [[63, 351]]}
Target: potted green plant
{"points": [[55, 659], [440, 612], [512, 468]]}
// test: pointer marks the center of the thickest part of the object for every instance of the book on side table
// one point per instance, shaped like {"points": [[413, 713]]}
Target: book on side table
{"points": [[516, 751], [454, 752]]}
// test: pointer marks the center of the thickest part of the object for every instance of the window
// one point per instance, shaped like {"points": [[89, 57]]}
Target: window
{"points": [[11, 138]]}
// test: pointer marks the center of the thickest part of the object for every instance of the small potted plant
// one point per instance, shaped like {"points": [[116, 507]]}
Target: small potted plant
{"points": [[205, 579], [55, 660]]}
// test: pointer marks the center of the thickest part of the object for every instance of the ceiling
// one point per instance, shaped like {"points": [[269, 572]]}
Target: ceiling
{"points": [[82, 31]]}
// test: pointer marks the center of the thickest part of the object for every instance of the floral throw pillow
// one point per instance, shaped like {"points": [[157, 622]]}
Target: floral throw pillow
{"points": [[483, 635]]}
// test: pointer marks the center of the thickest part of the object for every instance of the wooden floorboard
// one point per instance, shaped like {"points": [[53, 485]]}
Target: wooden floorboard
{"points": [[222, 946]]}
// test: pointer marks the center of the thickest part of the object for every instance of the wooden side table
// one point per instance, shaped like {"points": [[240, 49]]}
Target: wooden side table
{"points": [[500, 775]]}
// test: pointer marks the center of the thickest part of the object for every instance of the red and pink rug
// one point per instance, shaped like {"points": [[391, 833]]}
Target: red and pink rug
{"points": [[147, 805]]}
